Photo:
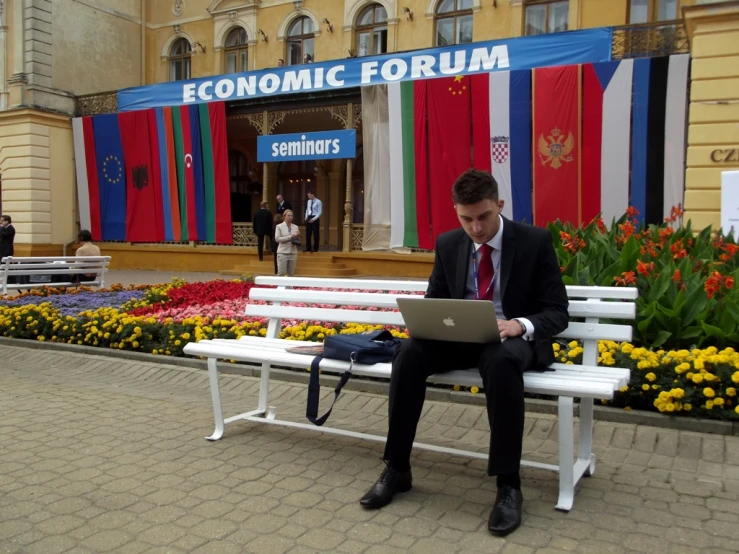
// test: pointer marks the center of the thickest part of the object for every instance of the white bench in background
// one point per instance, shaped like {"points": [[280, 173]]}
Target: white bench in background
{"points": [[587, 381], [40, 270]]}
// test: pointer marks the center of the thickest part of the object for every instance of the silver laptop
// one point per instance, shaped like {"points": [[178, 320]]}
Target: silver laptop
{"points": [[450, 320]]}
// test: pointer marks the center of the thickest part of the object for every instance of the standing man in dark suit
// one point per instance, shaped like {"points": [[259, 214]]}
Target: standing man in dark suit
{"points": [[262, 222], [7, 236], [514, 266], [313, 212], [282, 205]]}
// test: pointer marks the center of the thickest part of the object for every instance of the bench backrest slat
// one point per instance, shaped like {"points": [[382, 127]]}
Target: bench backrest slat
{"points": [[577, 308], [353, 284]]}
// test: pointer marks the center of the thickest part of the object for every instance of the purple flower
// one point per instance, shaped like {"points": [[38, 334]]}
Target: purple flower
{"points": [[73, 304]]}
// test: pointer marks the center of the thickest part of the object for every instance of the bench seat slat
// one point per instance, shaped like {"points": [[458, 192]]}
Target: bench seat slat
{"points": [[588, 385]]}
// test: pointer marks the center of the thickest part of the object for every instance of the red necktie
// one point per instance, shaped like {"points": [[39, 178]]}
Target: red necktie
{"points": [[485, 273]]}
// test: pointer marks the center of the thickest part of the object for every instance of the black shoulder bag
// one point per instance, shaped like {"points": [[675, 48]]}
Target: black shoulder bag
{"points": [[367, 348]]}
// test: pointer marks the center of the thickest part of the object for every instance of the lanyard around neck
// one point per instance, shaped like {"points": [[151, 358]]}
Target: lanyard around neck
{"points": [[474, 274]]}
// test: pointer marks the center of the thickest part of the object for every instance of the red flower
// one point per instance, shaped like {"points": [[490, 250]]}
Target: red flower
{"points": [[675, 214], [676, 277], [631, 212], [716, 282], [570, 243], [644, 269], [627, 278], [678, 252], [664, 235], [627, 229]]}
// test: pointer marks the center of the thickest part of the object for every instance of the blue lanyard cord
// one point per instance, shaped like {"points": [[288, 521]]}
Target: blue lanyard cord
{"points": [[474, 275]]}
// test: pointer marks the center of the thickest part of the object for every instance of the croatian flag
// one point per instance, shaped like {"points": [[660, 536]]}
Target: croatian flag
{"points": [[501, 135], [606, 139]]}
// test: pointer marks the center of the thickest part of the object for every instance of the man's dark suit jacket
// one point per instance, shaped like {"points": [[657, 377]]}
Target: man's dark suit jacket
{"points": [[530, 281], [7, 236], [285, 206], [262, 222]]}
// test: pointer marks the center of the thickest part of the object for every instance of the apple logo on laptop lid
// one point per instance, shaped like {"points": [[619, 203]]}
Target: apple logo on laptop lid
{"points": [[449, 322]]}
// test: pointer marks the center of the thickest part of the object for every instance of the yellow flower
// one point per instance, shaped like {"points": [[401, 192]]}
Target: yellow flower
{"points": [[645, 387], [624, 389], [650, 376], [677, 393], [670, 407], [698, 364], [735, 377], [731, 391], [474, 390], [185, 336], [718, 401], [709, 392], [697, 378], [687, 407], [177, 342], [41, 338], [555, 347], [573, 344], [709, 404], [456, 387]]}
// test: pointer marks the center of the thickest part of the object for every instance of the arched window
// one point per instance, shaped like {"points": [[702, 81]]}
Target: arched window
{"points": [[300, 41], [179, 60], [372, 31], [546, 16], [453, 22], [236, 51]]}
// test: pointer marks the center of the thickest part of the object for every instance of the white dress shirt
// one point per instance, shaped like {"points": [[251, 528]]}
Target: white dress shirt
{"points": [[315, 207], [497, 245]]}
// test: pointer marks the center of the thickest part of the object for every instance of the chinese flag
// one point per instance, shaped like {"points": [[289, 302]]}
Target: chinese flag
{"points": [[143, 181], [449, 145], [557, 191]]}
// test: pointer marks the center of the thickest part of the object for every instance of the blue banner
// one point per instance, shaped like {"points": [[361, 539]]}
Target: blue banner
{"points": [[324, 145], [573, 47]]}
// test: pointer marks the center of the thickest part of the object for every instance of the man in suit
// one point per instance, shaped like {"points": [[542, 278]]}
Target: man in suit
{"points": [[282, 205], [7, 236], [515, 266], [262, 222], [313, 212]]}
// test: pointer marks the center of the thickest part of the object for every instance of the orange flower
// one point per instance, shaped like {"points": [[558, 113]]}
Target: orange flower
{"points": [[627, 278], [678, 252], [570, 243], [676, 277], [631, 212], [716, 282], [644, 269], [675, 214], [627, 229]]}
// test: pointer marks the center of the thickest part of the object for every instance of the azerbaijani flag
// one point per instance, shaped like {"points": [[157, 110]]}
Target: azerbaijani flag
{"points": [[185, 173]]}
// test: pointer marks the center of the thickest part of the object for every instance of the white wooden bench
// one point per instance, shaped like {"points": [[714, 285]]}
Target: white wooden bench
{"points": [[587, 381], [41, 269]]}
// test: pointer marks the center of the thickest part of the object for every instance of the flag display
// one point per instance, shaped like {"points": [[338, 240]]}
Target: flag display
{"points": [[501, 135], [154, 175], [606, 139], [557, 139]]}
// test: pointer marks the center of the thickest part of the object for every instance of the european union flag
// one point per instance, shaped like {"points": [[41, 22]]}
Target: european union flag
{"points": [[111, 176]]}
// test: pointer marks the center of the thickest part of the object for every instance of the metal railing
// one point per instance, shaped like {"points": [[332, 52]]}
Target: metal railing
{"points": [[650, 40]]}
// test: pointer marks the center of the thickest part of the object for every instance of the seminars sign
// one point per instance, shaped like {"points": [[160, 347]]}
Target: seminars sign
{"points": [[573, 47], [324, 145]]}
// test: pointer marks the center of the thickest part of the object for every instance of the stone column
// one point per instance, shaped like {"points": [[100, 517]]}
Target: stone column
{"points": [[348, 204], [18, 80], [713, 131]]}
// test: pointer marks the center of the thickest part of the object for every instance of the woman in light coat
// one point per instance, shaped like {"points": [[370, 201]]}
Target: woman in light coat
{"points": [[287, 251]]}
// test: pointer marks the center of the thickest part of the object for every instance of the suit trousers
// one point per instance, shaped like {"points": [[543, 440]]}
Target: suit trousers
{"points": [[501, 367], [286, 264], [312, 230], [260, 245]]}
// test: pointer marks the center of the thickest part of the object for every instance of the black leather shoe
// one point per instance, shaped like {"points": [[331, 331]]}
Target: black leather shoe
{"points": [[390, 482], [506, 515]]}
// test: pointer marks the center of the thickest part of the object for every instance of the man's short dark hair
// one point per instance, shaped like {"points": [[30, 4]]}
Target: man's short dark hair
{"points": [[84, 236], [474, 186], [262, 204], [6, 218]]}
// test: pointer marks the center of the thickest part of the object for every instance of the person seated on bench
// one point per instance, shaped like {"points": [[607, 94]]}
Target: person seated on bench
{"points": [[87, 248], [514, 266]]}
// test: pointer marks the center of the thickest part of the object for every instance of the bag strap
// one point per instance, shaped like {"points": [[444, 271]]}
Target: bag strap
{"points": [[314, 391]]}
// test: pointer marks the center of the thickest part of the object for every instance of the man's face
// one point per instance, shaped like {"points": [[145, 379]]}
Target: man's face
{"points": [[279, 199], [311, 195], [3, 221], [480, 221]]}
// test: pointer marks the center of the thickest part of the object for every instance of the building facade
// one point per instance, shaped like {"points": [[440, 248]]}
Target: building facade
{"points": [[60, 58]]}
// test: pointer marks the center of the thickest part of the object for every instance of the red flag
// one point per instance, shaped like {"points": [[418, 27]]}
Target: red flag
{"points": [[143, 181], [224, 230], [449, 145], [93, 186], [557, 145], [420, 131], [481, 124]]}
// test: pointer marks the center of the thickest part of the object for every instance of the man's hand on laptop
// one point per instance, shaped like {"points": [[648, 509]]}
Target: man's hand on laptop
{"points": [[509, 328]]}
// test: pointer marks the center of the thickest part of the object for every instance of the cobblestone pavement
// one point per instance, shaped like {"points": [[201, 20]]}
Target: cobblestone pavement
{"points": [[104, 455]]}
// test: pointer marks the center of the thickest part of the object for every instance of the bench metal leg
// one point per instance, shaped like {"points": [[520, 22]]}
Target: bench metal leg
{"points": [[215, 394], [566, 454], [268, 411], [585, 444]]}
